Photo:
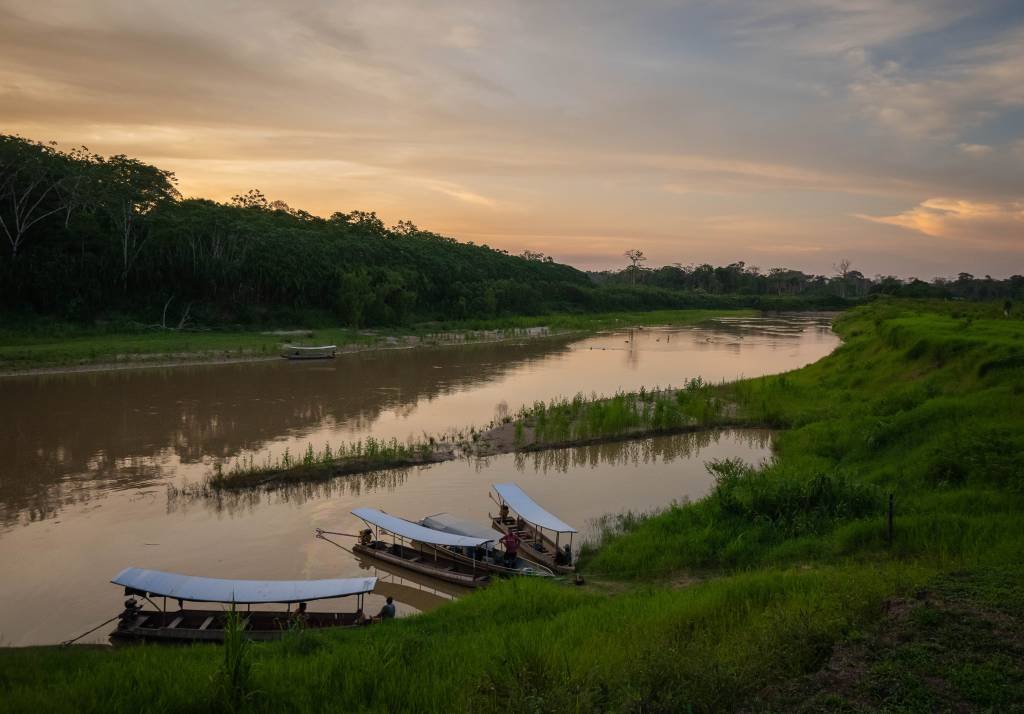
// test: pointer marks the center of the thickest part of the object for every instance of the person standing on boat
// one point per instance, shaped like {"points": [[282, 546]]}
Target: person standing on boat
{"points": [[511, 542]]}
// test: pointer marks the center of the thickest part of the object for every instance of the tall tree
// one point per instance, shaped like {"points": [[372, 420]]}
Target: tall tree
{"points": [[30, 179], [842, 269], [635, 257], [129, 191]]}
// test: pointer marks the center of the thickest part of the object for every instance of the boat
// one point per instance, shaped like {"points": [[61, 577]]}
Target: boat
{"points": [[493, 560], [541, 532], [318, 352], [418, 548], [160, 624]]}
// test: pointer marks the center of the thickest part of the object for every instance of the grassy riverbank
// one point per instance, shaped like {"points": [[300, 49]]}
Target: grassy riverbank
{"points": [[55, 346], [779, 591]]}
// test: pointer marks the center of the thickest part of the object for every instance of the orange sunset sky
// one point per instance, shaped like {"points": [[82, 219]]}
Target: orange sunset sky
{"points": [[778, 132]]}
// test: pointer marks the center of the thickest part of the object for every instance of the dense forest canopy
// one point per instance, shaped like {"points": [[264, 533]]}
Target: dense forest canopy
{"points": [[89, 236], [740, 279]]}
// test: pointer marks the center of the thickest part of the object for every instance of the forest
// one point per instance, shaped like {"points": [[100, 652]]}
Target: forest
{"points": [[93, 238]]}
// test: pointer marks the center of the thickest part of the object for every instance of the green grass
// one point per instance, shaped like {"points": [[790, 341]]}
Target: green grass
{"points": [[520, 646], [56, 345], [777, 592]]}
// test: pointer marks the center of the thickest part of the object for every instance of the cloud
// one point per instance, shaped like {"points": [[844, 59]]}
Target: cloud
{"points": [[976, 150], [835, 27], [994, 224], [462, 194], [942, 99]]}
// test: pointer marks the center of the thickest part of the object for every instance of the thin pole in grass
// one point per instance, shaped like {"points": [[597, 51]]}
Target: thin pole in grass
{"points": [[888, 532]]}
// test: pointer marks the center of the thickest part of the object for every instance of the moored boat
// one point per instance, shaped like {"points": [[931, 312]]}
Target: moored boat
{"points": [[138, 623], [317, 352], [542, 534], [417, 548], [491, 559]]}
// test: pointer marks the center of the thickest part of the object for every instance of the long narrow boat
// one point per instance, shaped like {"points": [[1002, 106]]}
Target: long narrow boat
{"points": [[159, 624], [535, 527], [492, 559], [418, 548], [318, 352]]}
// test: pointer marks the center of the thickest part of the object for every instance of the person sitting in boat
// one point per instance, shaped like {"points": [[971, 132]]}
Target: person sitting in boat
{"points": [[503, 512], [388, 611], [299, 616], [511, 542], [366, 536], [564, 556]]}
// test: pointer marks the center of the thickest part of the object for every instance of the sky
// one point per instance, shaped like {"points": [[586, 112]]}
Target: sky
{"points": [[787, 133]]}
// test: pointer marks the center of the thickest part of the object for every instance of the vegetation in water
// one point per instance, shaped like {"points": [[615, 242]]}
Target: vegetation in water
{"points": [[783, 590]]}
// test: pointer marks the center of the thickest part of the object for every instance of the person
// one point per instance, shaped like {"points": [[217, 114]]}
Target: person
{"points": [[567, 555], [388, 611], [511, 542], [297, 619]]}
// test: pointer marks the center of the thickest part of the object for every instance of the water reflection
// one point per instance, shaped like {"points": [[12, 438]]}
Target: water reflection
{"points": [[643, 451], [56, 572], [75, 438], [78, 435]]}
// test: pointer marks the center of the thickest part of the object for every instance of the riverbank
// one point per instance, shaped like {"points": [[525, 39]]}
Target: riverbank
{"points": [[806, 599], [72, 348]]}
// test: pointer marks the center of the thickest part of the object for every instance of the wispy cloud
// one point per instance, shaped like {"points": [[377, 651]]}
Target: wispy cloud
{"points": [[977, 150], [1000, 224]]}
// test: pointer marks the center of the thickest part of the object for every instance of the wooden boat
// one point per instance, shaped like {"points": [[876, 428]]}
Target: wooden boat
{"points": [[138, 623], [542, 533], [417, 548], [300, 352], [490, 558]]}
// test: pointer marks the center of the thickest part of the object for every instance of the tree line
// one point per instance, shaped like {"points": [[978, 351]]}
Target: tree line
{"points": [[91, 237], [846, 283]]}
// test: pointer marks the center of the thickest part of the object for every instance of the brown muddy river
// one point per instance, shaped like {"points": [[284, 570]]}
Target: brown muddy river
{"points": [[88, 457]]}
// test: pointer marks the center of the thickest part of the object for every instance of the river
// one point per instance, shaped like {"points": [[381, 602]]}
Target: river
{"points": [[89, 456]]}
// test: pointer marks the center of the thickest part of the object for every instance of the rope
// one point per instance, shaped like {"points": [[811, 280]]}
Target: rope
{"points": [[65, 643]]}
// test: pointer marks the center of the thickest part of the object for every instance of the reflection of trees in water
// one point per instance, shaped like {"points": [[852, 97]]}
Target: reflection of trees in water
{"points": [[71, 437], [238, 502], [637, 451]]}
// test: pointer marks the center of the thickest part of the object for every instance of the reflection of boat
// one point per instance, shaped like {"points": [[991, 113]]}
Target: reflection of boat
{"points": [[415, 547], [202, 625], [299, 352], [530, 523], [419, 591]]}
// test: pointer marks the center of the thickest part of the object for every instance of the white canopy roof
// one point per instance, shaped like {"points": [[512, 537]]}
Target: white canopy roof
{"points": [[526, 507], [450, 524], [414, 531], [196, 589]]}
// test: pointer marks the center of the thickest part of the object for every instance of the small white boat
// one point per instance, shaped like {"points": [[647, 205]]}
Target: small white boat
{"points": [[318, 352]]}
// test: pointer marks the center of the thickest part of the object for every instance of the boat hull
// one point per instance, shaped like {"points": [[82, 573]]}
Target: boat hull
{"points": [[189, 626], [418, 562], [301, 353]]}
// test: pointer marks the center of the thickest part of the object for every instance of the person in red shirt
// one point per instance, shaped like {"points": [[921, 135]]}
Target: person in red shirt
{"points": [[511, 542]]}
